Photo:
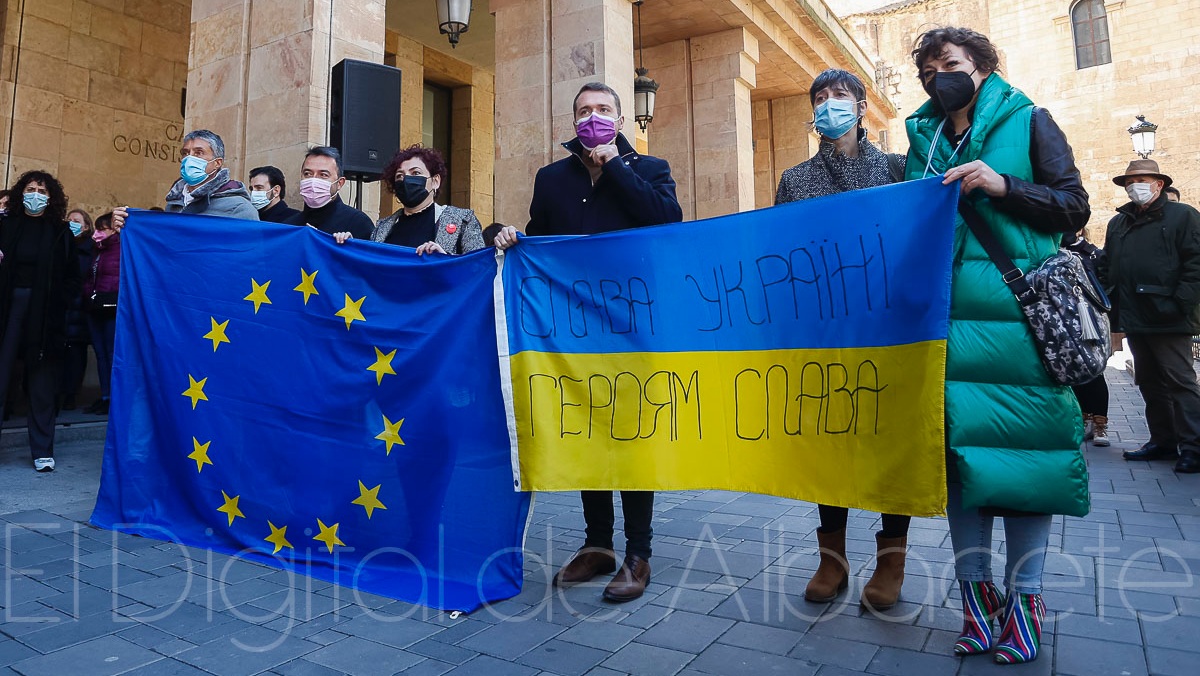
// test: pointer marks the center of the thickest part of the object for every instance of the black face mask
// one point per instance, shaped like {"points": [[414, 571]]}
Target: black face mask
{"points": [[411, 191], [951, 91]]}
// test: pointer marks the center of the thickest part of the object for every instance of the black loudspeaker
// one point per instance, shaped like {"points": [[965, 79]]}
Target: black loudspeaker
{"points": [[364, 116]]}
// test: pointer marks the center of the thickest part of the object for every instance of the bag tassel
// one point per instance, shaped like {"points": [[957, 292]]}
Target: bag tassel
{"points": [[1087, 323]]}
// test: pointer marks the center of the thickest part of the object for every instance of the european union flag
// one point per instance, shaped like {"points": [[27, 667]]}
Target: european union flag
{"points": [[327, 409]]}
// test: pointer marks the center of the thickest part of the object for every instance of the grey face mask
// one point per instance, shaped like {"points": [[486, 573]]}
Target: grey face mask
{"points": [[1141, 193]]}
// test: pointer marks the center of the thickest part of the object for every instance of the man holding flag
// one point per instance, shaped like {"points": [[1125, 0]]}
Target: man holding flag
{"points": [[603, 186]]}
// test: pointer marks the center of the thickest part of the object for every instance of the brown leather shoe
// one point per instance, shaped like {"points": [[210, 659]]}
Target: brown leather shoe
{"points": [[587, 563], [630, 582]]}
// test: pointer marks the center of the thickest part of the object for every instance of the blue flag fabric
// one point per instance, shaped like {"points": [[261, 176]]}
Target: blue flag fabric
{"points": [[332, 411]]}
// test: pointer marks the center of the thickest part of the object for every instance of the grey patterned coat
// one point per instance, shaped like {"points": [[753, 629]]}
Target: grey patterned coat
{"points": [[467, 231], [220, 196]]}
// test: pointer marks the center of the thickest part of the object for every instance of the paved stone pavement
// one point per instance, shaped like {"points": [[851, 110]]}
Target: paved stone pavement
{"points": [[729, 571]]}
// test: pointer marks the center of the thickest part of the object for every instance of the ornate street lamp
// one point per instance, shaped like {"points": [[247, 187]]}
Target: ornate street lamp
{"points": [[454, 17], [644, 89], [1142, 133]]}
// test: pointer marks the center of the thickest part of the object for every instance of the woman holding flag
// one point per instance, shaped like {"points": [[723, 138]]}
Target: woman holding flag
{"points": [[847, 160], [1013, 435]]}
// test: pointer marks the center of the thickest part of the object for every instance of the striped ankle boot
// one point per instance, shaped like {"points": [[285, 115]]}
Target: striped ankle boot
{"points": [[981, 605], [1021, 630]]}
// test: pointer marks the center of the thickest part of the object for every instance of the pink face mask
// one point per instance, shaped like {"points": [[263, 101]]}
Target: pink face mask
{"points": [[316, 192], [596, 130], [101, 235]]}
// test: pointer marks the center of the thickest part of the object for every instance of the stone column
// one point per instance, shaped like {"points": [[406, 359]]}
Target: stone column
{"points": [[545, 51], [792, 139], [669, 135], [723, 73], [259, 76]]}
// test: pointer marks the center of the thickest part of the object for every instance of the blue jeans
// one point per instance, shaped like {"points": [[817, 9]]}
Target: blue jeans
{"points": [[1025, 537]]}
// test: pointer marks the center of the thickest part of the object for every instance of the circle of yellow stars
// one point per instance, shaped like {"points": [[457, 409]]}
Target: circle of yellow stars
{"points": [[368, 498]]}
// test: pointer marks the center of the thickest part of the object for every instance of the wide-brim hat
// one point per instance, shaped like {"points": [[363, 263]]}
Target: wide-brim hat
{"points": [[1142, 168]]}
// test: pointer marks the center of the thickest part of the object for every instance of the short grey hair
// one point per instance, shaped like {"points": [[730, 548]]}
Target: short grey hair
{"points": [[213, 141]]}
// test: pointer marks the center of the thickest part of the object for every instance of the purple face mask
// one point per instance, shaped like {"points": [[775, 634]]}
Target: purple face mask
{"points": [[596, 130]]}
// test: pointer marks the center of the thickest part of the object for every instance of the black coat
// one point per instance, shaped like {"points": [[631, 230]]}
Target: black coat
{"points": [[280, 213], [56, 285], [1152, 273], [337, 216], [77, 331], [1055, 201], [633, 191]]}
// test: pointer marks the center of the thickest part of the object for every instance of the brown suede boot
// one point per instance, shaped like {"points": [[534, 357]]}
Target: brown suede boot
{"points": [[883, 590], [833, 573]]}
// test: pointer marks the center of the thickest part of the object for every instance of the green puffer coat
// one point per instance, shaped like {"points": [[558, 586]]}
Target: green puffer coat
{"points": [[1014, 435]]}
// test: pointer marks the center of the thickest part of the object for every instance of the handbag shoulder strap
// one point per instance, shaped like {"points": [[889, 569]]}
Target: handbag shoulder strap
{"points": [[1009, 272]]}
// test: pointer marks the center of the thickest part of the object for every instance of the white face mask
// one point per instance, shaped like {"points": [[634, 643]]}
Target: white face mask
{"points": [[1140, 193]]}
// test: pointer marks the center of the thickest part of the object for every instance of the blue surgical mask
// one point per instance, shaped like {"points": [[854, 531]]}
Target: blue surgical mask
{"points": [[192, 170], [835, 117], [260, 198], [35, 203], [76, 227]]}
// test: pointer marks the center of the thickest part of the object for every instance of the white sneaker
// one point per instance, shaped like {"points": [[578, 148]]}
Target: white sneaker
{"points": [[44, 464]]}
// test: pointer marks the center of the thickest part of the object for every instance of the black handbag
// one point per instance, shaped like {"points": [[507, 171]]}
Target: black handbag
{"points": [[1063, 302]]}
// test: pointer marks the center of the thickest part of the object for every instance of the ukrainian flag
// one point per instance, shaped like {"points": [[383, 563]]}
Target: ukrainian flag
{"points": [[798, 351]]}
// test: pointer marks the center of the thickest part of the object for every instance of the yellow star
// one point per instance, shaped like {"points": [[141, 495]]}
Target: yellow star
{"points": [[328, 535], [368, 498], [231, 507], [390, 434], [306, 286], [352, 311], [195, 390], [217, 335], [259, 295], [278, 537], [382, 365], [200, 454]]}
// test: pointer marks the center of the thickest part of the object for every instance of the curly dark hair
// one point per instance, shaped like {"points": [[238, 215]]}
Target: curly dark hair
{"points": [[56, 209], [430, 156], [932, 43]]}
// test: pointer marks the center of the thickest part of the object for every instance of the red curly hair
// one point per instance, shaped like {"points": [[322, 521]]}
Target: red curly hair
{"points": [[430, 156]]}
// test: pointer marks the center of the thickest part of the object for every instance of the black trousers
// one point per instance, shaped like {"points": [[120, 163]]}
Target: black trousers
{"points": [[1093, 396], [834, 518], [638, 510], [1167, 379], [74, 367], [41, 376]]}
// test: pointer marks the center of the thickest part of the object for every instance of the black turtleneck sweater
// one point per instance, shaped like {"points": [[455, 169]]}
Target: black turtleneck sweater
{"points": [[280, 213], [337, 216]]}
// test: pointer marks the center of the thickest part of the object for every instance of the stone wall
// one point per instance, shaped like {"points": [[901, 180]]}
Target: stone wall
{"points": [[95, 97], [472, 155], [1155, 71]]}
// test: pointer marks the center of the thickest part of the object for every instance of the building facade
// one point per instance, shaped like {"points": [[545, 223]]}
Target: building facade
{"points": [[100, 92], [1094, 64]]}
